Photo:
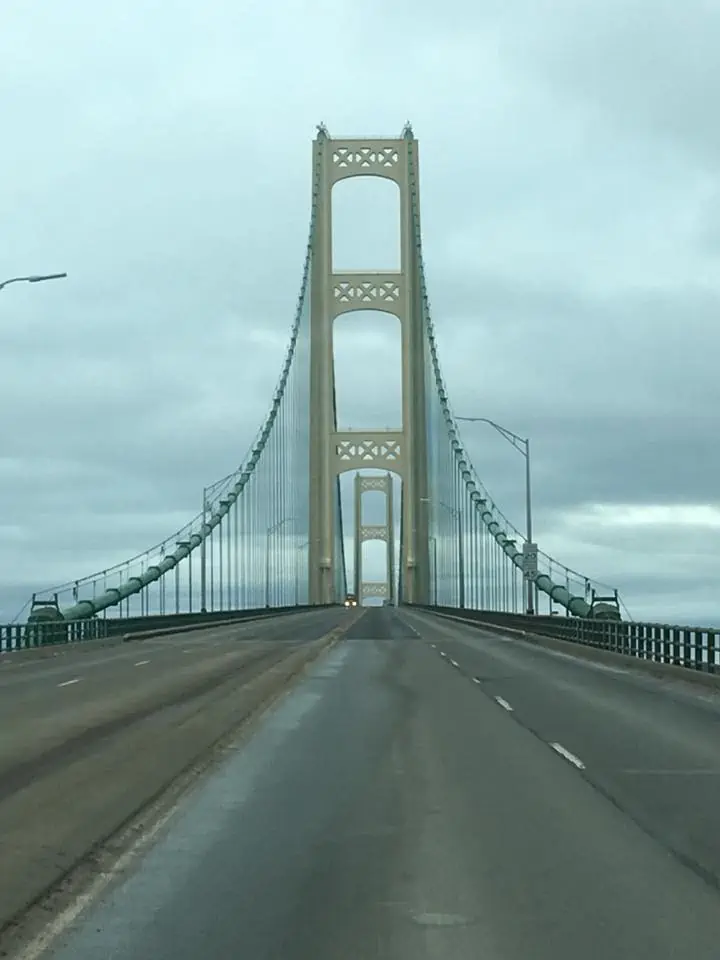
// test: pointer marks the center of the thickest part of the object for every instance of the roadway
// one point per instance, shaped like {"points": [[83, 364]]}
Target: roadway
{"points": [[91, 733], [434, 791], [47, 700]]}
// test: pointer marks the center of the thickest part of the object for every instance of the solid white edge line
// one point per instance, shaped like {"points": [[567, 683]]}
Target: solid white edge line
{"points": [[559, 748], [38, 947], [504, 704], [67, 683]]}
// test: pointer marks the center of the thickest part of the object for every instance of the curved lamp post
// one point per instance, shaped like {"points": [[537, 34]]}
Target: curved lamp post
{"points": [[35, 278]]}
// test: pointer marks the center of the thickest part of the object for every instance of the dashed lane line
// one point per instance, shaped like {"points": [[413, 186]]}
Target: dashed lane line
{"points": [[141, 663], [67, 683], [559, 748]]}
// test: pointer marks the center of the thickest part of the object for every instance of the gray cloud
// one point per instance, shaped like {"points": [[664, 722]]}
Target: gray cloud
{"points": [[570, 216]]}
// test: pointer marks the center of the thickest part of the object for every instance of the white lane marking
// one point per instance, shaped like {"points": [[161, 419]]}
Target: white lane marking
{"points": [[187, 651], [443, 654], [434, 646], [476, 679], [67, 683], [672, 773], [141, 663], [504, 704], [454, 663], [280, 723], [559, 748], [38, 947]]}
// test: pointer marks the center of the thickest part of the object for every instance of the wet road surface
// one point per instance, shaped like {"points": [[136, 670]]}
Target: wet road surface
{"points": [[90, 737], [405, 801], [46, 701]]}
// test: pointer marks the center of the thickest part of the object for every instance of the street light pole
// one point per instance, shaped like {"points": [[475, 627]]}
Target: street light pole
{"points": [[297, 571], [461, 556], [522, 444], [186, 544], [268, 534], [203, 555], [435, 591], [267, 566], [34, 278], [456, 514], [528, 501], [533, 597]]}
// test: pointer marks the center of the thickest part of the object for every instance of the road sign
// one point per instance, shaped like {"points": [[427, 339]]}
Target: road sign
{"points": [[530, 560]]}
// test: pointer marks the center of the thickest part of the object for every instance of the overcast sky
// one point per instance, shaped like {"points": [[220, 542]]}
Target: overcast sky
{"points": [[160, 153]]}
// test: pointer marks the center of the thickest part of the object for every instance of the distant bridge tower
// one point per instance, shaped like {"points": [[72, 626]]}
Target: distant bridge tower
{"points": [[402, 450], [374, 531], [373, 588]]}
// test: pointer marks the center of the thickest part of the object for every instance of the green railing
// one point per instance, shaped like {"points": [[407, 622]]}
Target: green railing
{"points": [[695, 648]]}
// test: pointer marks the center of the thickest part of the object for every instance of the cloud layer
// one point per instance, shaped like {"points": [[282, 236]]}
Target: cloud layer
{"points": [[571, 220]]}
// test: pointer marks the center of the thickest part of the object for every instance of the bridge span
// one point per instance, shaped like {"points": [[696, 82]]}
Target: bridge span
{"points": [[422, 788], [205, 753]]}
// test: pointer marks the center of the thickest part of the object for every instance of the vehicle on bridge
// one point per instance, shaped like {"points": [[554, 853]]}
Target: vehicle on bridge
{"points": [[605, 608], [351, 600]]}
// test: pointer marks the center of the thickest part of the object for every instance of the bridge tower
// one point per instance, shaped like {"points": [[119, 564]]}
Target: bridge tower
{"points": [[374, 531], [402, 450]]}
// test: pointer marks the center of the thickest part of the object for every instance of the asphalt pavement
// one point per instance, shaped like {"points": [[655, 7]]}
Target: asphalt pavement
{"points": [[91, 737], [44, 702], [432, 791], [651, 746]]}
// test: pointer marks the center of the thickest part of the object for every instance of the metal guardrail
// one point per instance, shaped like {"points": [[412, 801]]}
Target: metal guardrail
{"points": [[25, 636], [695, 648]]}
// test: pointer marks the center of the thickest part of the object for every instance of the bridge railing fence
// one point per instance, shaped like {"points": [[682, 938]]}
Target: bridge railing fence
{"points": [[691, 647], [25, 636]]}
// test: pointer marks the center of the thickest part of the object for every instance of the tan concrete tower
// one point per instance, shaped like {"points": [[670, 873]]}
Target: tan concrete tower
{"points": [[365, 532], [402, 450]]}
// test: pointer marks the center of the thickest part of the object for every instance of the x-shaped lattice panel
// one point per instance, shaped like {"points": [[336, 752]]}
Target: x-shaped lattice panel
{"points": [[373, 531], [371, 450], [365, 158], [370, 588], [366, 292], [374, 483]]}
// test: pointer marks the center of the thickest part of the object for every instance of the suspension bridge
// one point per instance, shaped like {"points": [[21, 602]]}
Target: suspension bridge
{"points": [[499, 725], [272, 533]]}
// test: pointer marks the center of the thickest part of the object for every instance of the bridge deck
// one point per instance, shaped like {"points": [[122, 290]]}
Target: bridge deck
{"points": [[432, 791]]}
